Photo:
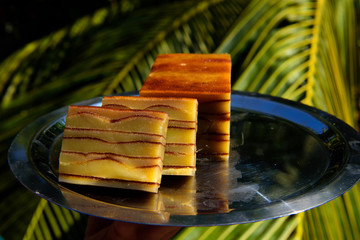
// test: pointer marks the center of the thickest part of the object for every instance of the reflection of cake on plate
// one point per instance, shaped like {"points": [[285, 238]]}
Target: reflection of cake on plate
{"points": [[180, 149], [205, 77], [179, 194], [212, 180], [113, 148], [138, 206]]}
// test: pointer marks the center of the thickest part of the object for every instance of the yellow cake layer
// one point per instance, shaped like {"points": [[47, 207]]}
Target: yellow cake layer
{"points": [[219, 126], [68, 157], [120, 120], [218, 106], [181, 135], [180, 171], [113, 135], [180, 148], [184, 109], [134, 149], [183, 124], [173, 158], [217, 146], [106, 168], [106, 182]]}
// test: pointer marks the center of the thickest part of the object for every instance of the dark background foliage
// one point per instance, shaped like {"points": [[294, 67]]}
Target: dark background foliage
{"points": [[22, 21]]}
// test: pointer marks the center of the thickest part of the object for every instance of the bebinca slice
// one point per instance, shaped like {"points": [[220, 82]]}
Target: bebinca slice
{"points": [[113, 148], [206, 77], [180, 148]]}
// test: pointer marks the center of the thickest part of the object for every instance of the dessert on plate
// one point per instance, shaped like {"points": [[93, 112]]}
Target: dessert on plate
{"points": [[113, 148]]}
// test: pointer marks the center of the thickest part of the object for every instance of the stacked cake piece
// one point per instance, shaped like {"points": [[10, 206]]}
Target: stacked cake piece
{"points": [[180, 149], [113, 148], [205, 77]]}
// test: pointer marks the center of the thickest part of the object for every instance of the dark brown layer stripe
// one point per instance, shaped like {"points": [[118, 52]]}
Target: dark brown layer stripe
{"points": [[113, 160], [216, 101], [185, 128], [171, 166], [152, 166], [180, 121], [217, 115], [101, 140], [116, 106], [214, 135], [114, 131], [164, 106], [115, 120], [113, 105], [99, 159], [193, 60], [189, 68], [199, 154], [107, 179], [175, 153], [215, 140], [107, 154], [181, 144]]}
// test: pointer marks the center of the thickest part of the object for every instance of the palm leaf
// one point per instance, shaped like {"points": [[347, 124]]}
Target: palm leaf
{"points": [[301, 50], [281, 228], [316, 66], [302, 61], [50, 221]]}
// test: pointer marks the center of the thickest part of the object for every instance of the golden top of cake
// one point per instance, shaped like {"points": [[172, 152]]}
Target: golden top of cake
{"points": [[182, 75], [183, 109], [119, 119]]}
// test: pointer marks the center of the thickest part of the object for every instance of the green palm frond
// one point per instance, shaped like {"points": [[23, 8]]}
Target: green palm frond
{"points": [[280, 229], [313, 59], [50, 221], [295, 49], [303, 50], [310, 59]]}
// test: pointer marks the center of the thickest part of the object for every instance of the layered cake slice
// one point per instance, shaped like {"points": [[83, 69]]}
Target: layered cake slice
{"points": [[205, 77], [180, 149], [113, 148]]}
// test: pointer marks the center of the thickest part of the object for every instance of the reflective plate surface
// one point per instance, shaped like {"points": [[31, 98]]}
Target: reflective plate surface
{"points": [[285, 158]]}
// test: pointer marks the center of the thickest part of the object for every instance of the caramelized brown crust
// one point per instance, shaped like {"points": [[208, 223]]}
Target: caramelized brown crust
{"points": [[204, 76]]}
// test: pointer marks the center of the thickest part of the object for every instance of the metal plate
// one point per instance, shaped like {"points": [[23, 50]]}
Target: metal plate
{"points": [[285, 158]]}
